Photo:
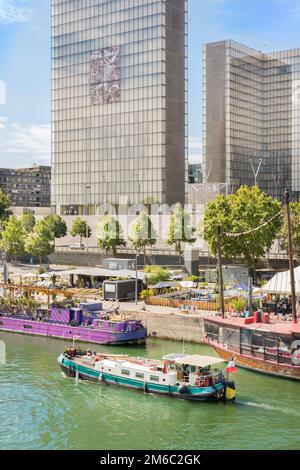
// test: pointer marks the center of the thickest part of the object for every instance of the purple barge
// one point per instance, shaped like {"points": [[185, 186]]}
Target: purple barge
{"points": [[82, 324]]}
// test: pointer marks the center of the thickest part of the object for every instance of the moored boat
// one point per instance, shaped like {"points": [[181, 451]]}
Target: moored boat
{"points": [[271, 348], [82, 324], [177, 375]]}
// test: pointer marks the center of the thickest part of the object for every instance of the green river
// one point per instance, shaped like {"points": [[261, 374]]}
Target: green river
{"points": [[42, 409]]}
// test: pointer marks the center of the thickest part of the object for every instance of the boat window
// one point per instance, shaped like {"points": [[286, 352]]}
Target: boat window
{"points": [[246, 337], [257, 339], [111, 325], [193, 369], [231, 337], [212, 330], [154, 378], [125, 372], [28, 327], [139, 375], [1, 323]]}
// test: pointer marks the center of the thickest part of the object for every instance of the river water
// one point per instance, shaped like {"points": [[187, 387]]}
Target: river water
{"points": [[42, 409]]}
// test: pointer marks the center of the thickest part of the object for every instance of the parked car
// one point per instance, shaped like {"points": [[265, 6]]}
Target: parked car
{"points": [[77, 246]]}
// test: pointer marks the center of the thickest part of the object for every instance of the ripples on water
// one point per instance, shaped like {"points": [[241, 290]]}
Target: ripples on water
{"points": [[42, 409]]}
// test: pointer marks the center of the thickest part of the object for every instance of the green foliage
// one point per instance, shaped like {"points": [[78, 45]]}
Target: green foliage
{"points": [[39, 242], [180, 230], [245, 210], [239, 305], [110, 234], [4, 206], [13, 238], [80, 229], [155, 274], [142, 232], [56, 225], [28, 222], [193, 278], [295, 221], [145, 294]]}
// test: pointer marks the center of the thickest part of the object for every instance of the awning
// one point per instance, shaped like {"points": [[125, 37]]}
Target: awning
{"points": [[101, 272], [199, 361], [281, 283], [163, 285]]}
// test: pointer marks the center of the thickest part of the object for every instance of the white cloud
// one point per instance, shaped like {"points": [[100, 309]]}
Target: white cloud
{"points": [[14, 11], [3, 121], [24, 145], [195, 150]]}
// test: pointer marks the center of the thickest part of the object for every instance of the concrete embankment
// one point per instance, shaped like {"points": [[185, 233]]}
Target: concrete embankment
{"points": [[173, 326]]}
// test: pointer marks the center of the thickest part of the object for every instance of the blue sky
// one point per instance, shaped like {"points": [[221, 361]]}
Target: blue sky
{"points": [[25, 63]]}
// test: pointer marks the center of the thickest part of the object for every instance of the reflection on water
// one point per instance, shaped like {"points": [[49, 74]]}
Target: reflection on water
{"points": [[42, 409]]}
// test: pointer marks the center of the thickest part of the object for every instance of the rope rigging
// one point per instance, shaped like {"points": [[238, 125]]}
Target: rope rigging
{"points": [[256, 229]]}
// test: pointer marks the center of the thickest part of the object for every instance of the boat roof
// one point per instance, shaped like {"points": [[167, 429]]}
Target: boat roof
{"points": [[275, 326], [199, 361], [173, 357]]}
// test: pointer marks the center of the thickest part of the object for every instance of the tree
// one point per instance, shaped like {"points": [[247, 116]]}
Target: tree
{"points": [[110, 234], [243, 212], [155, 274], [56, 225], [4, 206], [39, 242], [80, 229], [180, 230], [295, 220], [142, 233], [13, 238], [28, 222]]}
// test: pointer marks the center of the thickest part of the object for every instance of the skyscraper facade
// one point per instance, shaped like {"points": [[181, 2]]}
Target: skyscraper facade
{"points": [[252, 117], [119, 102]]}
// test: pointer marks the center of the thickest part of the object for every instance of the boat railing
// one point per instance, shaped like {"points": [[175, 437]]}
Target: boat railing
{"points": [[274, 354]]}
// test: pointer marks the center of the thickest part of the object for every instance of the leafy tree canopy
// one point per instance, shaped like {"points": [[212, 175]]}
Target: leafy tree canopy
{"points": [[142, 232], [247, 209], [295, 221], [155, 274], [39, 242], [181, 230], [80, 229], [4, 206], [28, 221], [13, 238], [56, 225], [110, 234]]}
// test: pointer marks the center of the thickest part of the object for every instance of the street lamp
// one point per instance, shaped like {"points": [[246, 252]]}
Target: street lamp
{"points": [[255, 171]]}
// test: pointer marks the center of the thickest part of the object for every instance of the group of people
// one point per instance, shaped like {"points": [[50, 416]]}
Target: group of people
{"points": [[284, 306]]}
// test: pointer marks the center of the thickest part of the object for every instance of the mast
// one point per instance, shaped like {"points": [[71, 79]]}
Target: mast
{"points": [[220, 269], [291, 254]]}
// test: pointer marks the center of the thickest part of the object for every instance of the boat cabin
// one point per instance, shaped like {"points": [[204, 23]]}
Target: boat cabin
{"points": [[195, 370], [276, 342]]}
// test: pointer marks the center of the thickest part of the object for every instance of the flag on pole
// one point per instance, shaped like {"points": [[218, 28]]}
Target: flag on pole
{"points": [[231, 368]]}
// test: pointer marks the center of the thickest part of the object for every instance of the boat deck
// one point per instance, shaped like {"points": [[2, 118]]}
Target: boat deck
{"points": [[275, 326]]}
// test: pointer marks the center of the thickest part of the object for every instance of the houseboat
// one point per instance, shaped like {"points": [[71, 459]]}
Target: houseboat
{"points": [[88, 323], [267, 346], [177, 375]]}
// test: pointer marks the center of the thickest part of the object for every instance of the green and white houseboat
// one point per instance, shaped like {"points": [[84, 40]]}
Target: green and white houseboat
{"points": [[176, 375]]}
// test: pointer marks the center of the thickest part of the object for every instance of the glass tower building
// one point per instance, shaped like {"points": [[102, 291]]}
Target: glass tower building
{"points": [[119, 103], [252, 117]]}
